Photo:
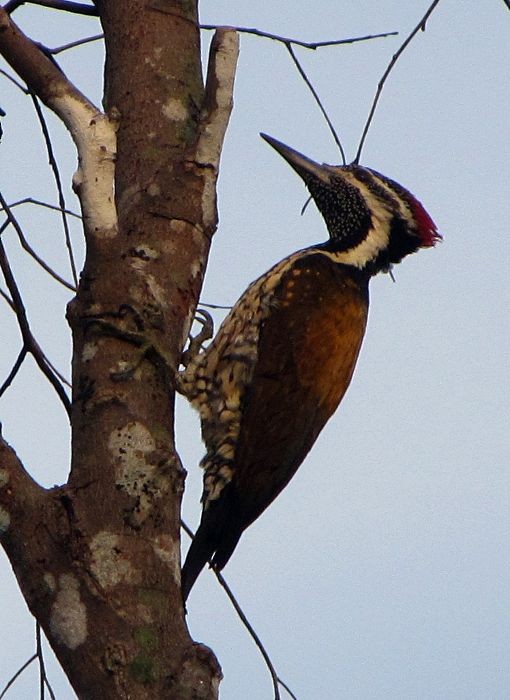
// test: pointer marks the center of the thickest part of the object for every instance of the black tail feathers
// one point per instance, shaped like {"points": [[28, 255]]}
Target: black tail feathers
{"points": [[214, 542], [198, 555]]}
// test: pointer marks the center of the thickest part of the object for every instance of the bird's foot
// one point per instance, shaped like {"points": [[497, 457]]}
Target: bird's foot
{"points": [[196, 342]]}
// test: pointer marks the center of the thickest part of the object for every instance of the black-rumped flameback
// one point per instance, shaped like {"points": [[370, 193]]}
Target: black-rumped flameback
{"points": [[284, 356]]}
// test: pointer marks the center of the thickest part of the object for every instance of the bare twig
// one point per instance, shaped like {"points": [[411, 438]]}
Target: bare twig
{"points": [[420, 26], [74, 7], [17, 675], [215, 306], [40, 658], [272, 671], [313, 45], [26, 246], [58, 373], [305, 205], [43, 678], [39, 203], [74, 44], [258, 643], [28, 339], [58, 182], [13, 81], [14, 371], [13, 309], [317, 99], [7, 299]]}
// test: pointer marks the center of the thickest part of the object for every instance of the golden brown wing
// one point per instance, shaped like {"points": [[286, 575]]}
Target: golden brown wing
{"points": [[306, 356]]}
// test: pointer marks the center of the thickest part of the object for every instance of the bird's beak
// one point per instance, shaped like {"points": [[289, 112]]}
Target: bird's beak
{"points": [[301, 164]]}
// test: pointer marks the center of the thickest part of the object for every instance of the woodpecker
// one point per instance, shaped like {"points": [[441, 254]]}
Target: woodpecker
{"points": [[285, 354]]}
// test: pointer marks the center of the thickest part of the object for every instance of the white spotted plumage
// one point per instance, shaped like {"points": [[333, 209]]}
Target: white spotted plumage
{"points": [[215, 380]]}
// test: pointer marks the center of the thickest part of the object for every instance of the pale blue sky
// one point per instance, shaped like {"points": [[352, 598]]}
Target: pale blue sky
{"points": [[383, 570]]}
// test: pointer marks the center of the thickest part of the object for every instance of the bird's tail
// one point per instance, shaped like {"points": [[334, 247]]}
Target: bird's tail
{"points": [[214, 542], [199, 553]]}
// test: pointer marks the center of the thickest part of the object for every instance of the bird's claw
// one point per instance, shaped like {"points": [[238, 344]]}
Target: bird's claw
{"points": [[196, 342]]}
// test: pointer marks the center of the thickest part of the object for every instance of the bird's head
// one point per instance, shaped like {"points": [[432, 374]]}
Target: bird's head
{"points": [[373, 222]]}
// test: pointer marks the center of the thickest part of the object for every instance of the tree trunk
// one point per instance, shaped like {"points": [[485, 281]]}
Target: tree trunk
{"points": [[98, 559]]}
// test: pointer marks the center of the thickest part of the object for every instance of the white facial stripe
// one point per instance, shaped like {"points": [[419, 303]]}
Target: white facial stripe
{"points": [[403, 206]]}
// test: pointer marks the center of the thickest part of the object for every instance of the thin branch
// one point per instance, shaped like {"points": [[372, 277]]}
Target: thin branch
{"points": [[58, 182], [25, 348], [38, 647], [41, 74], [74, 7], [14, 81], [272, 671], [288, 690], [420, 26], [274, 676], [40, 203], [43, 678], [317, 99], [26, 246], [74, 44], [28, 339], [313, 45], [17, 675], [215, 306], [58, 373], [14, 371], [8, 299], [13, 308]]}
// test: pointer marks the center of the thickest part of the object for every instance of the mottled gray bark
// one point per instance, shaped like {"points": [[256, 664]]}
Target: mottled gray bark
{"points": [[98, 559]]}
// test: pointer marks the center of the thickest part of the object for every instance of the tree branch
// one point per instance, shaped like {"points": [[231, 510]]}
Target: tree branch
{"points": [[43, 678], [14, 371], [40, 203], [396, 56], [58, 183], [312, 45], [19, 493], [74, 44], [30, 342], [28, 248], [217, 107], [92, 131], [18, 673], [277, 681], [7, 300], [74, 7], [308, 83], [14, 81]]}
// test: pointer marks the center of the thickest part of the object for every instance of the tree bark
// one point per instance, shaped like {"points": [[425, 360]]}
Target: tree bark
{"points": [[98, 559]]}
